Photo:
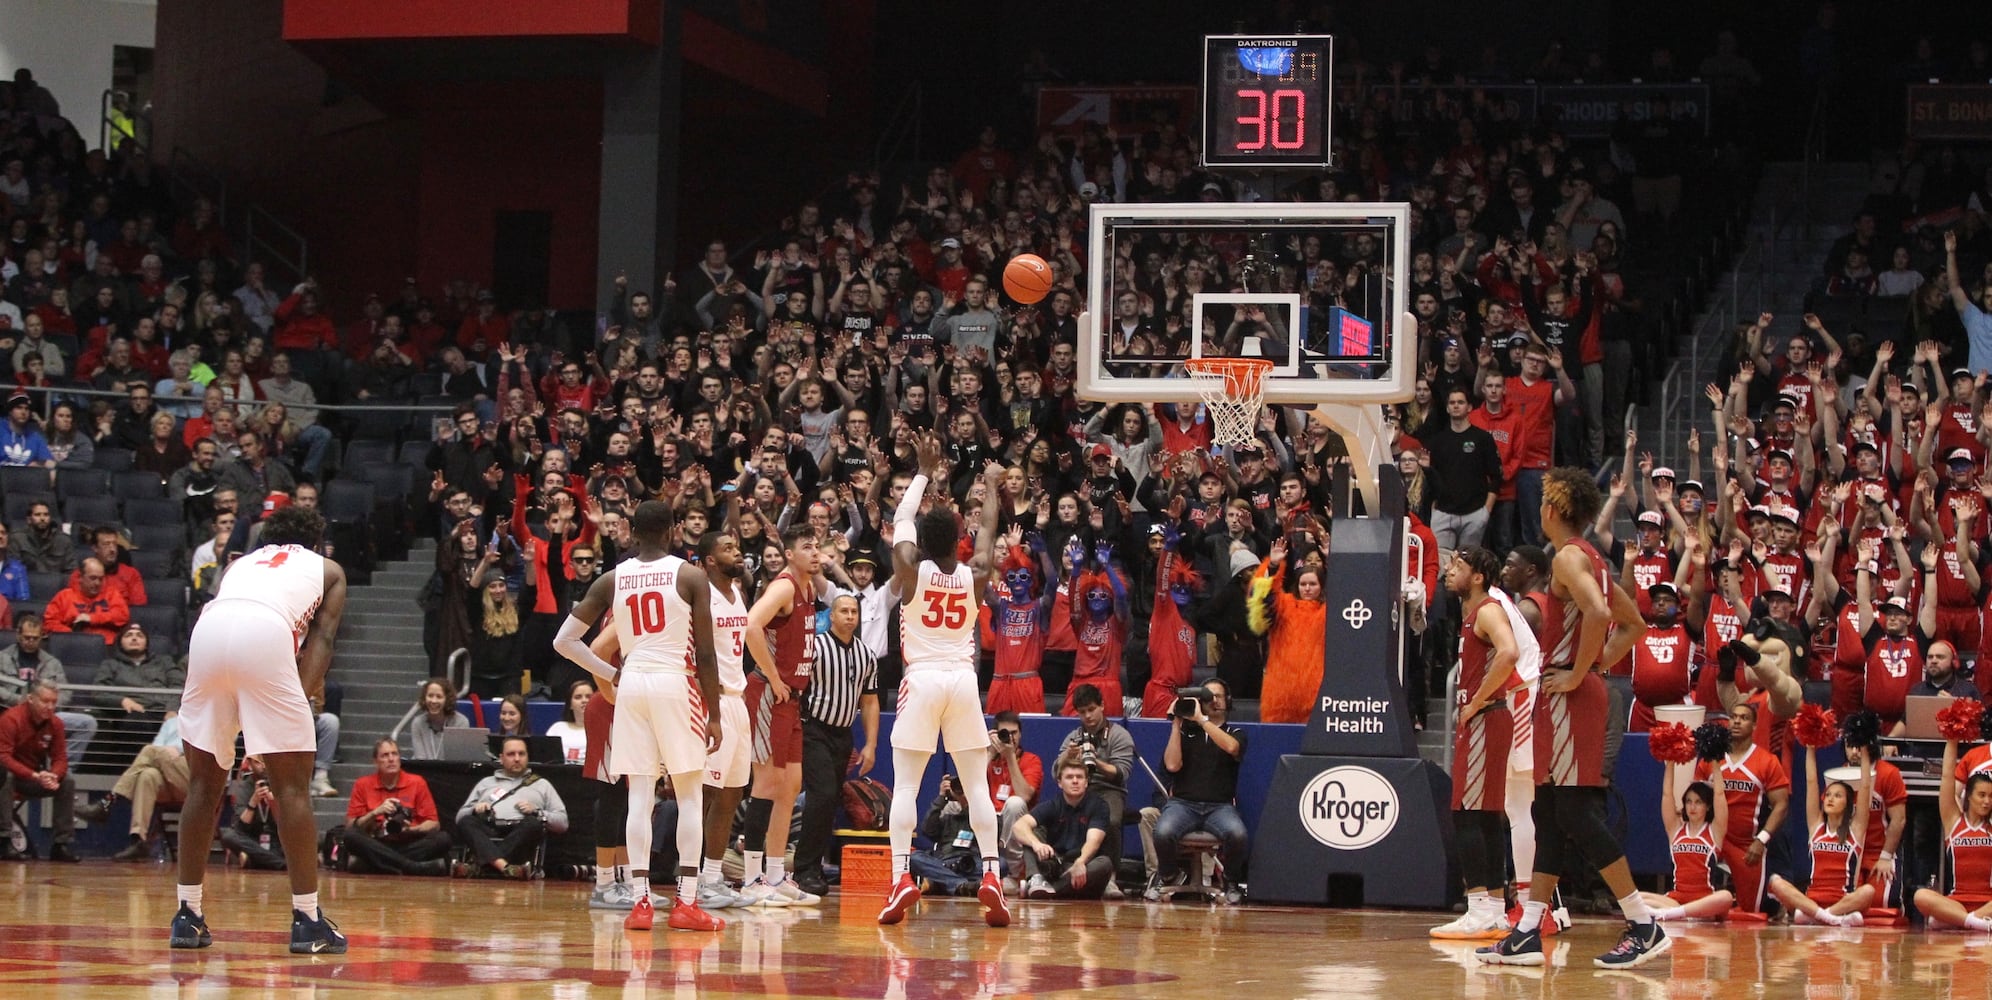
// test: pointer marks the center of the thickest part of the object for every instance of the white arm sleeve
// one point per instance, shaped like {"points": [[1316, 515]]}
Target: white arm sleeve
{"points": [[569, 642], [903, 527]]}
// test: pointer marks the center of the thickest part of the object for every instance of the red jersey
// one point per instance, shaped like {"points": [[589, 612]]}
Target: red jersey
{"points": [[1019, 640], [1061, 623], [1889, 790], [793, 635], [1549, 611], [1504, 428], [1787, 571], [1836, 866], [1649, 568], [1475, 652], [1721, 626], [1535, 411], [1563, 652], [1746, 787], [1975, 760], [1661, 672], [1694, 854], [1172, 653], [1970, 850], [1099, 654], [598, 719], [1952, 591], [1893, 665]]}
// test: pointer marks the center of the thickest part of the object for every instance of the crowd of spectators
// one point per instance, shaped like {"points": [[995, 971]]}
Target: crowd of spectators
{"points": [[755, 391]]}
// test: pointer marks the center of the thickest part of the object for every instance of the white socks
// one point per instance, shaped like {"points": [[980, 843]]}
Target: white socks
{"points": [[605, 876], [688, 890], [1671, 913], [1973, 921], [899, 865], [751, 861], [191, 895], [1532, 912], [306, 904], [710, 873], [777, 869], [1635, 909]]}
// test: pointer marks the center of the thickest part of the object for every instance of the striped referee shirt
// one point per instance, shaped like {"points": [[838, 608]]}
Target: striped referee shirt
{"points": [[844, 673]]}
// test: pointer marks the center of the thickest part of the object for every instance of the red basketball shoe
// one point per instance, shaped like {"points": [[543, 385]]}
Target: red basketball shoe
{"points": [[641, 915], [688, 917], [904, 894], [995, 910]]}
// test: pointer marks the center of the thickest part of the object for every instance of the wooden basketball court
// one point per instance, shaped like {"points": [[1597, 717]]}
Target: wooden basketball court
{"points": [[102, 928]]}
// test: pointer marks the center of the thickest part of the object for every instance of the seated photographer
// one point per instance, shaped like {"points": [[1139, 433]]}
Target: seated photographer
{"points": [[252, 830], [1065, 835], [1106, 750], [1015, 775], [509, 814], [952, 867], [1202, 756], [391, 821]]}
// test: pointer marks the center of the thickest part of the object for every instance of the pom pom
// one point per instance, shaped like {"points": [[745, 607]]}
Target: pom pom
{"points": [[1671, 743], [1861, 729], [1712, 741], [1816, 727], [1962, 719]]}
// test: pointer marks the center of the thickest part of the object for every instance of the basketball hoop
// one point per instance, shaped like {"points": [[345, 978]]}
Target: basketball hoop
{"points": [[1231, 389]]}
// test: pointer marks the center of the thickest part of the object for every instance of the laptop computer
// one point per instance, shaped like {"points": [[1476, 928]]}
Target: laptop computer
{"points": [[467, 745], [539, 749], [1919, 716]]}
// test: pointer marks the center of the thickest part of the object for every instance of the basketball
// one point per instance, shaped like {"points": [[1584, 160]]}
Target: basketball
{"points": [[1027, 278]]}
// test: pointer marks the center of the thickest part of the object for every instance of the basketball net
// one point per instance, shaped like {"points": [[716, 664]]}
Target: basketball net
{"points": [[1232, 390]]}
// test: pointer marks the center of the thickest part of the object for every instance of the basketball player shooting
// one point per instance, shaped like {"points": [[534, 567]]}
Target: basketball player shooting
{"points": [[264, 641], [938, 697], [668, 700]]}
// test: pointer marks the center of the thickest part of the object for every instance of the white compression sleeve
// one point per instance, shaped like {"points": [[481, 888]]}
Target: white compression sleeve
{"points": [[569, 642], [903, 527]]}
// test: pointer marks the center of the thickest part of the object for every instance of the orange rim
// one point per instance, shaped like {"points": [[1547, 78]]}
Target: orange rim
{"points": [[1242, 376]]}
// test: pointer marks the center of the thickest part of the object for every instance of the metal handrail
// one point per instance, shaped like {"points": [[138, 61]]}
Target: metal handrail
{"points": [[899, 126], [257, 216], [57, 393], [184, 169], [1684, 379], [449, 671]]}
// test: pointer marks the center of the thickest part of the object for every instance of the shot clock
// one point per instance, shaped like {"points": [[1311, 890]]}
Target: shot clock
{"points": [[1266, 100]]}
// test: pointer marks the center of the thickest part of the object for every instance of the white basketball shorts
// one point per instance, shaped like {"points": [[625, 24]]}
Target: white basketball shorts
{"points": [[941, 702], [242, 678], [660, 725]]}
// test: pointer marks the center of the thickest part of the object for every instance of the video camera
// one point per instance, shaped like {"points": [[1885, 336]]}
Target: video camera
{"points": [[1189, 699]]}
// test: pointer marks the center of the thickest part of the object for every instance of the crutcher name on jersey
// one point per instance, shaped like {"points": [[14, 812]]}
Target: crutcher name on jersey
{"points": [[641, 581]]}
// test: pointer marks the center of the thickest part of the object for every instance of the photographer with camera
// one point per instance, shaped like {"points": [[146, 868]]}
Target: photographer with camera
{"points": [[1066, 836], [253, 834], [1202, 757], [391, 821], [1015, 775], [1106, 750], [509, 814], [952, 867]]}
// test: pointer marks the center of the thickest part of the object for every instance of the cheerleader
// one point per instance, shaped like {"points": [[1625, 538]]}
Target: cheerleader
{"points": [[1694, 837], [1838, 819], [1968, 839]]}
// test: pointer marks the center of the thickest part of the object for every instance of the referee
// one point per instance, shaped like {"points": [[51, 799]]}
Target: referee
{"points": [[843, 685]]}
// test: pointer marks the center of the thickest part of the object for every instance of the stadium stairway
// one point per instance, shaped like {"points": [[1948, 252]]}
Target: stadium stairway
{"points": [[379, 660], [1779, 260]]}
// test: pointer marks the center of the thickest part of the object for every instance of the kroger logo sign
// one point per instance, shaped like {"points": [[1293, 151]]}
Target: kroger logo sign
{"points": [[1348, 808]]}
